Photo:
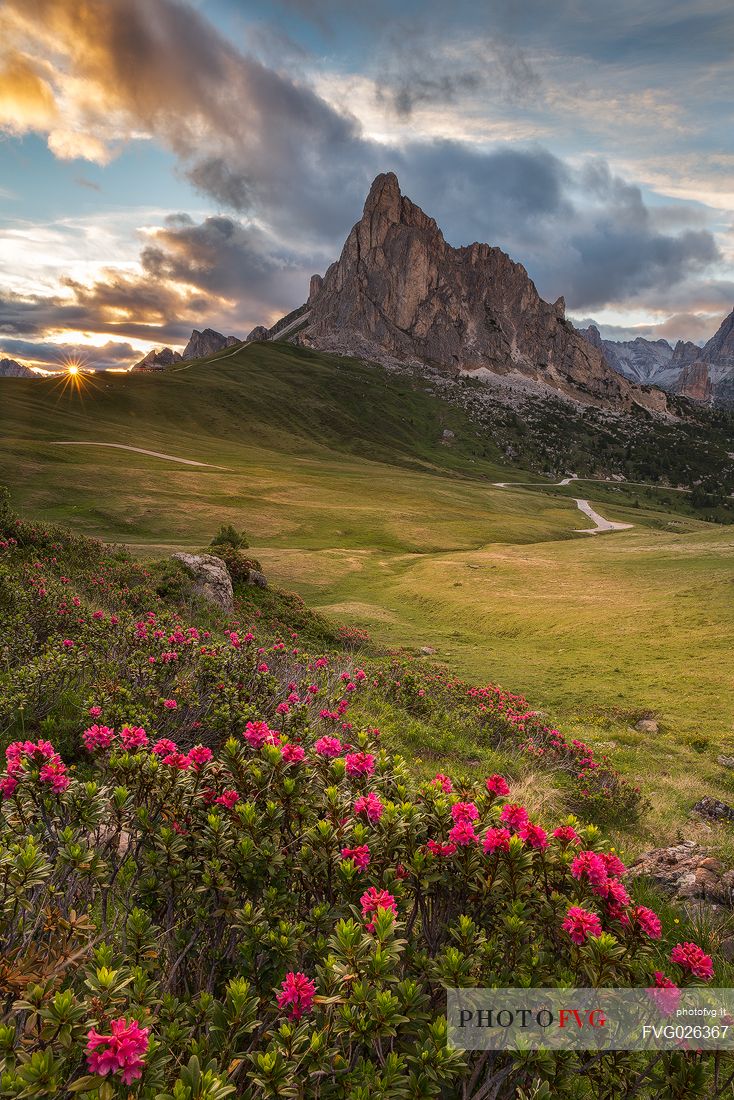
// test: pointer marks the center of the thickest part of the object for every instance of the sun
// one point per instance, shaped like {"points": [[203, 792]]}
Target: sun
{"points": [[72, 369]]}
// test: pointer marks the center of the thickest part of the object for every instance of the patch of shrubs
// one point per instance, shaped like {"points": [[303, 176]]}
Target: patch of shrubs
{"points": [[282, 918]]}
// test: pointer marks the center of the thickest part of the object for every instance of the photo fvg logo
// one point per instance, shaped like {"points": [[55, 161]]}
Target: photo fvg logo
{"points": [[590, 1019], [531, 1018]]}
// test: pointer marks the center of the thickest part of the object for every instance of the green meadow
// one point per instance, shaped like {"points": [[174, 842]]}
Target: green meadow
{"points": [[350, 495]]}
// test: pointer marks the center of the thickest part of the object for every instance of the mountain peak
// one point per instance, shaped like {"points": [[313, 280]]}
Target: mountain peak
{"points": [[400, 293], [208, 342], [384, 196]]}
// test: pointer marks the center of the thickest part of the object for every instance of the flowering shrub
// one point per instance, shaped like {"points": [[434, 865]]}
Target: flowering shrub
{"points": [[266, 922], [597, 790], [213, 882]]}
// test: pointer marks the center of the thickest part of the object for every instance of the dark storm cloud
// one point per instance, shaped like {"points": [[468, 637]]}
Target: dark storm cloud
{"points": [[94, 311], [584, 233], [227, 259]]}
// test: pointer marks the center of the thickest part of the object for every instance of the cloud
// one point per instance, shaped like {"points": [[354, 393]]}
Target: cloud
{"points": [[696, 327], [416, 66], [583, 231], [295, 168], [120, 68], [26, 98], [219, 272], [53, 356]]}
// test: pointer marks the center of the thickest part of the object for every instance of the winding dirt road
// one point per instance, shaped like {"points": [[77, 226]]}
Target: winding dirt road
{"points": [[139, 450], [602, 524]]}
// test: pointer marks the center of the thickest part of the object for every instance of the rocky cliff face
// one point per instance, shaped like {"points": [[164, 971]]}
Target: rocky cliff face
{"points": [[400, 292], [206, 343], [158, 359], [694, 382], [11, 368]]}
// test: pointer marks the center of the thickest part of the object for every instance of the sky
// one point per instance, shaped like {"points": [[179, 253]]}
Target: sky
{"points": [[166, 165]]}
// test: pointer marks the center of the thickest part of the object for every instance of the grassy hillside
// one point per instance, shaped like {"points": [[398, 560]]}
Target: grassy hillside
{"points": [[351, 494]]}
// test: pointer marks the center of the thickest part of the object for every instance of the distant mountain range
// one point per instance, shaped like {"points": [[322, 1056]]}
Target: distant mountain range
{"points": [[702, 374], [11, 368], [200, 345]]}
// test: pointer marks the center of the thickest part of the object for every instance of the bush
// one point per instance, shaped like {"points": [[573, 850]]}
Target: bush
{"points": [[227, 535], [239, 565]]}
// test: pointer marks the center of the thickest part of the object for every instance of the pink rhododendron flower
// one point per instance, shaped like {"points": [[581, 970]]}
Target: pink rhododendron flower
{"points": [[328, 746], [293, 754], [258, 734], [296, 995], [8, 786], [443, 782], [497, 785], [566, 834], [55, 775], [199, 756], [464, 811], [120, 1052], [374, 899], [164, 746], [613, 863], [98, 737], [94, 712], [580, 924], [496, 840], [228, 799], [665, 994], [178, 760], [647, 921], [591, 866], [24, 756], [370, 805], [690, 957], [514, 815], [360, 763], [436, 848], [133, 737], [360, 856], [616, 896], [463, 834], [170, 704], [533, 835]]}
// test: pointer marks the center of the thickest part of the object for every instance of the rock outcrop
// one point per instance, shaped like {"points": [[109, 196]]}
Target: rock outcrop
{"points": [[11, 368], [399, 292], [211, 579], [694, 382], [208, 342], [687, 872], [158, 359]]}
